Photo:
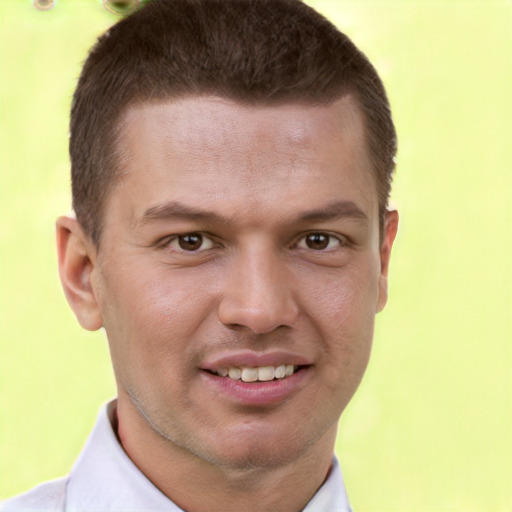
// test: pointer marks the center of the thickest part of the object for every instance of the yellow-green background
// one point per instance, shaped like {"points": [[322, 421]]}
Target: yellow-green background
{"points": [[430, 428]]}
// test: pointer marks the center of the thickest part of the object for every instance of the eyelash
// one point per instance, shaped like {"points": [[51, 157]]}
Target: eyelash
{"points": [[175, 239], [168, 242], [341, 241]]}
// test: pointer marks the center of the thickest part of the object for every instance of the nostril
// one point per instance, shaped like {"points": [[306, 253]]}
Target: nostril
{"points": [[261, 320]]}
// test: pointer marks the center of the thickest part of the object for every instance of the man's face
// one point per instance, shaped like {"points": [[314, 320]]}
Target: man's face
{"points": [[241, 240]]}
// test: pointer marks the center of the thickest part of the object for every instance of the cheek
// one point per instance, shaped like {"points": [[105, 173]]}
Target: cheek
{"points": [[150, 317], [345, 299], [145, 326], [343, 310]]}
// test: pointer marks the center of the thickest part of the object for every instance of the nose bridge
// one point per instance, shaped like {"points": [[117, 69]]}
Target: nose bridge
{"points": [[258, 292]]}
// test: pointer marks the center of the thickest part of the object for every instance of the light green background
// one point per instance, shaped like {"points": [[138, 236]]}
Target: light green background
{"points": [[430, 428]]}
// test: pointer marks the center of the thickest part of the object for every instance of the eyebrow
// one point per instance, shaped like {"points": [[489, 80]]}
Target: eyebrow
{"points": [[333, 211], [176, 210]]}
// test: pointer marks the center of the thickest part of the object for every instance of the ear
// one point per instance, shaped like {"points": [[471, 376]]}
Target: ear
{"points": [[77, 256], [390, 230]]}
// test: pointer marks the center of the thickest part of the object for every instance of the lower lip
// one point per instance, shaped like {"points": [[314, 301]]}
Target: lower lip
{"points": [[257, 393]]}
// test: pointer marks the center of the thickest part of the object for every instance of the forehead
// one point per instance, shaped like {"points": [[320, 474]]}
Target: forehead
{"points": [[217, 151]]}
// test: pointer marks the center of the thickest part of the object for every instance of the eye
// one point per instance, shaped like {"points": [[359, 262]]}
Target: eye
{"points": [[319, 242], [191, 242]]}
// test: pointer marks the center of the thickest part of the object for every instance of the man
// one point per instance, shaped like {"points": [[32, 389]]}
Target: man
{"points": [[231, 167]]}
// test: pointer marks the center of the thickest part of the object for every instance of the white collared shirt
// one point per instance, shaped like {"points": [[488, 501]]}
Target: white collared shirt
{"points": [[105, 479]]}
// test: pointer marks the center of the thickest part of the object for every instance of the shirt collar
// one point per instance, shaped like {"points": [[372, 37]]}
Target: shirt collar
{"points": [[332, 496], [104, 478]]}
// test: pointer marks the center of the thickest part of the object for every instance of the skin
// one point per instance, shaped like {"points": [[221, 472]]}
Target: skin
{"points": [[256, 284]]}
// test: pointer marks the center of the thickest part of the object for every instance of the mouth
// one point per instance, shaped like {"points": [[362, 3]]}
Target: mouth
{"points": [[255, 386], [249, 378], [257, 374]]}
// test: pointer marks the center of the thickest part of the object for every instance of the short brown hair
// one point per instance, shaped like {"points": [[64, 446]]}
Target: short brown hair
{"points": [[252, 51]]}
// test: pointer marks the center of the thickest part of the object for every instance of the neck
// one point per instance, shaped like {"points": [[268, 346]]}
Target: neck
{"points": [[195, 484]]}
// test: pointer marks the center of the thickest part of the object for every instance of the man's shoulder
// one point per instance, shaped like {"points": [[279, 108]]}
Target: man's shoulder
{"points": [[47, 497]]}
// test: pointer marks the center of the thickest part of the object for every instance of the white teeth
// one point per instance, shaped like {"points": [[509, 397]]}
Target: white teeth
{"points": [[266, 373], [262, 373], [234, 373], [280, 372], [249, 374]]}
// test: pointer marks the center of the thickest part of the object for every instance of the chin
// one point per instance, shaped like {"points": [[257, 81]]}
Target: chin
{"points": [[259, 456], [261, 447]]}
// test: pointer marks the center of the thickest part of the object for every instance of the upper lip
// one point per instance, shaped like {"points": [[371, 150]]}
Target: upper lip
{"points": [[251, 359]]}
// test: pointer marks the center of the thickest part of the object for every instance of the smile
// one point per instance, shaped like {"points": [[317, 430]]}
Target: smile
{"points": [[257, 380], [257, 374]]}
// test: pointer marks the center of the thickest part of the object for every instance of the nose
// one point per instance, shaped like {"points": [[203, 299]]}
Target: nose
{"points": [[258, 294]]}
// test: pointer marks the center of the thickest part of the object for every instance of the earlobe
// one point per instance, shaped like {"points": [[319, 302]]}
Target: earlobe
{"points": [[77, 256], [390, 230]]}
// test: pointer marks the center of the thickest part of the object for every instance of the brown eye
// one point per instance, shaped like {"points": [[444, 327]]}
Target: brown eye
{"points": [[191, 242], [319, 242]]}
